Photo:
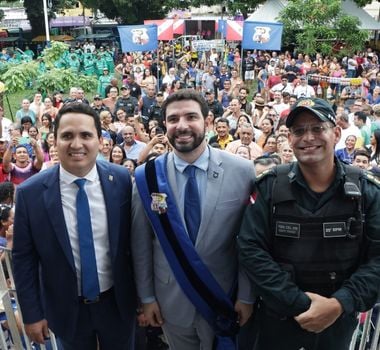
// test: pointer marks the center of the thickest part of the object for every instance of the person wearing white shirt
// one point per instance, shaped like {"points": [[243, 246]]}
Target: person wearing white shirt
{"points": [[51, 268], [304, 90]]}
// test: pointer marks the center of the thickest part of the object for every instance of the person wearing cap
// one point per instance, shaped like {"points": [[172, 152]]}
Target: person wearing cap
{"points": [[126, 101], [103, 81], [213, 104], [303, 89], [313, 261], [97, 104]]}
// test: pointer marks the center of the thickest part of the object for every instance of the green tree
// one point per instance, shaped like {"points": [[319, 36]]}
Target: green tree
{"points": [[316, 25]]}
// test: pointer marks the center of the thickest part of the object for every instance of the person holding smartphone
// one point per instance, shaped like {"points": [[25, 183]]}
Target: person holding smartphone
{"points": [[23, 167]]}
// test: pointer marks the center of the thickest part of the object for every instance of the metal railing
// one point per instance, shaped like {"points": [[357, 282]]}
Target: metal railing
{"points": [[8, 296]]}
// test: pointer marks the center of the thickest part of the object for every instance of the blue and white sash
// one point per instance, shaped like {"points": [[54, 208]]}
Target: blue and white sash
{"points": [[195, 279]]}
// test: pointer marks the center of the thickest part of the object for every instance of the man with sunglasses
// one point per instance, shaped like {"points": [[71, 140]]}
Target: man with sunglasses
{"points": [[313, 260]]}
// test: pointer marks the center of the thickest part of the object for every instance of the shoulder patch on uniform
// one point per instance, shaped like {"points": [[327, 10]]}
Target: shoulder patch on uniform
{"points": [[264, 174], [372, 178]]}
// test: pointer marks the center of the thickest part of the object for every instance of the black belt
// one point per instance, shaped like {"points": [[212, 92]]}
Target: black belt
{"points": [[99, 298]]}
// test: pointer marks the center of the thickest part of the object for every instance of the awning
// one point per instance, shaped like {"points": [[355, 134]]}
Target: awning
{"points": [[70, 21], [94, 36], [11, 39], [54, 37]]}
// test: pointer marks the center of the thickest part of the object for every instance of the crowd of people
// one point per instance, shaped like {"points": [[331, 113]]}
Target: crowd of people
{"points": [[243, 113]]}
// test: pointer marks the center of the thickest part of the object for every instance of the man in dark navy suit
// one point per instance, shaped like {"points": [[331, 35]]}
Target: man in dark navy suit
{"points": [[48, 253]]}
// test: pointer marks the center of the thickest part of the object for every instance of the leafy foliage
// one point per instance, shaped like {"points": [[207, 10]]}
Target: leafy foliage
{"points": [[316, 25], [17, 76], [62, 79], [54, 52]]}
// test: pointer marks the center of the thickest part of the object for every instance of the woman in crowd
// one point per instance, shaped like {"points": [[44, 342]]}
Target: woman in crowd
{"points": [[57, 100], [243, 119], [375, 148], [46, 144], [107, 125], [105, 152], [280, 140], [346, 154], [175, 86], [53, 158], [47, 125], [270, 145], [286, 153], [48, 108], [117, 155], [267, 126], [210, 128], [148, 79], [33, 133], [121, 120]]}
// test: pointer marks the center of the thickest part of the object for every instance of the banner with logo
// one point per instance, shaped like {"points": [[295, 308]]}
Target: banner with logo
{"points": [[207, 45], [138, 37], [262, 35]]}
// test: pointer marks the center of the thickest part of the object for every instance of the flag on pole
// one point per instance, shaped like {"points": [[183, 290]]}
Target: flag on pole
{"points": [[234, 30], [138, 37], [164, 28], [262, 35], [222, 27]]}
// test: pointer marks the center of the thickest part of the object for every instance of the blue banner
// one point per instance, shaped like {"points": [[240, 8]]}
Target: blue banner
{"points": [[222, 27], [138, 37], [262, 35]]}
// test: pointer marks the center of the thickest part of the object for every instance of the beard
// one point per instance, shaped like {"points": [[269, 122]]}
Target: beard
{"points": [[188, 146]]}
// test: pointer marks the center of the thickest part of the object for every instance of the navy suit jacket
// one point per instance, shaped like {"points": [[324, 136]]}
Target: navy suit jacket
{"points": [[44, 269]]}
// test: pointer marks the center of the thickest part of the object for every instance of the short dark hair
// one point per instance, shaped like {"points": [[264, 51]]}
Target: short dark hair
{"points": [[186, 95], [78, 107], [362, 116], [267, 160], [223, 120], [7, 190], [362, 152]]}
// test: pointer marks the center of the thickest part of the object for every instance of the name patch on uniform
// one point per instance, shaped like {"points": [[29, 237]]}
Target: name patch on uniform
{"points": [[334, 229], [288, 229]]}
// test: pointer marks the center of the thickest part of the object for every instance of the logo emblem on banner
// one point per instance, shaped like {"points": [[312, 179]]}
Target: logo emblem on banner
{"points": [[140, 36], [261, 35]]}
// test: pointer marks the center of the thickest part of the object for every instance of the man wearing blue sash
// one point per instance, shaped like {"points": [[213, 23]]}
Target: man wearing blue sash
{"points": [[185, 260]]}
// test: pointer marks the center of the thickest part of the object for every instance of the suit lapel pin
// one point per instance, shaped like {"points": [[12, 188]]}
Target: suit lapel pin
{"points": [[159, 204], [215, 175]]}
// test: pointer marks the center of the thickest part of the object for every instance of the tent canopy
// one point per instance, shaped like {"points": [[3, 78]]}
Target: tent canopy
{"points": [[53, 37], [11, 39], [271, 9], [94, 36]]}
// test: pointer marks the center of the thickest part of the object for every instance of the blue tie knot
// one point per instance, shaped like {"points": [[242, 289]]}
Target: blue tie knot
{"points": [[80, 183], [190, 170]]}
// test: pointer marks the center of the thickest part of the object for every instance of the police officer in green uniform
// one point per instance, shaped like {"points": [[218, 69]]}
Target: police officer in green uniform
{"points": [[310, 243]]}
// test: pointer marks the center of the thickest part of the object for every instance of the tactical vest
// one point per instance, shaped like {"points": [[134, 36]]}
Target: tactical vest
{"points": [[319, 250]]}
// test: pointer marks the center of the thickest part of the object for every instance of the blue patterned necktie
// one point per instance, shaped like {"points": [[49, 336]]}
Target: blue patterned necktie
{"points": [[89, 275], [192, 204]]}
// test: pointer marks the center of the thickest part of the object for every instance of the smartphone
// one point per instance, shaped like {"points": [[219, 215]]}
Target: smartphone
{"points": [[23, 140], [159, 131]]}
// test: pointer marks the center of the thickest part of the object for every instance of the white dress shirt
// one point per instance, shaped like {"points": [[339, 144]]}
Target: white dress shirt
{"points": [[99, 223]]}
